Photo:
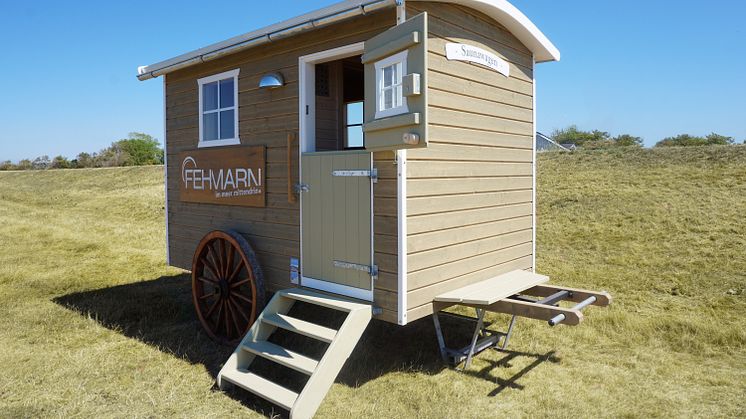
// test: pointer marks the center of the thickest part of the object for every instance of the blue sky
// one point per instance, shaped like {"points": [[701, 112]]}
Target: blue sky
{"points": [[649, 68]]}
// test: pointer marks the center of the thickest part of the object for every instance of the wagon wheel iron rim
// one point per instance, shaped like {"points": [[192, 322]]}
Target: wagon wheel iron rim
{"points": [[227, 286]]}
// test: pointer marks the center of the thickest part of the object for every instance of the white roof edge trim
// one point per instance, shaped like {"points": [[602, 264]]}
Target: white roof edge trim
{"points": [[516, 22], [500, 10]]}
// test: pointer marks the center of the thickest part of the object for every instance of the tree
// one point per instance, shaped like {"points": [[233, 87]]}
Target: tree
{"points": [[41, 163], [717, 139], [686, 140], [60, 162], [25, 164], [138, 149], [626, 140], [7, 165], [594, 139], [84, 160]]}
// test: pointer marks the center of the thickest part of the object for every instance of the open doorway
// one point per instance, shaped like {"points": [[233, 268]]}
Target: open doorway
{"points": [[339, 105]]}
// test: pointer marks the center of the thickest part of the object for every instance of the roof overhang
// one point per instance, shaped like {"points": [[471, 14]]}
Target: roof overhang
{"points": [[500, 10]]}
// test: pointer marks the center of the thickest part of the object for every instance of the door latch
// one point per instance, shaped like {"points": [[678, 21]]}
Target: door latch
{"points": [[301, 187]]}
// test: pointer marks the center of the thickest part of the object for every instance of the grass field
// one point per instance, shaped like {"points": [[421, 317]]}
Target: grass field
{"points": [[93, 324]]}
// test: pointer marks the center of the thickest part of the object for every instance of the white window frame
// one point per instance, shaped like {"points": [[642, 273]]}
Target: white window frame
{"points": [[210, 79], [400, 57]]}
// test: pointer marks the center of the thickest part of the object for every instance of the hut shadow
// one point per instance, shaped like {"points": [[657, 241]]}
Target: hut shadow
{"points": [[160, 313]]}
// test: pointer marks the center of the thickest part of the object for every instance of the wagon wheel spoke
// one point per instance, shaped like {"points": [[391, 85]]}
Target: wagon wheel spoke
{"points": [[243, 298], [210, 310], [214, 264], [208, 280], [219, 253], [208, 264], [229, 262], [235, 272], [206, 296], [239, 283], [231, 310], [238, 309]]}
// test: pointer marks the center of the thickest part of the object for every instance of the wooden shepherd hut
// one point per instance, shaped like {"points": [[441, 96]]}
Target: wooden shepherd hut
{"points": [[375, 157]]}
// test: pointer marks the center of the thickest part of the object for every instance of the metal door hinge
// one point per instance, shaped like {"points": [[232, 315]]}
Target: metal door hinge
{"points": [[301, 187], [372, 174], [371, 270]]}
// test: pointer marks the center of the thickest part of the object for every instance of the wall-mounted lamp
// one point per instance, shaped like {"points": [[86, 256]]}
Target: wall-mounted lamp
{"points": [[271, 81]]}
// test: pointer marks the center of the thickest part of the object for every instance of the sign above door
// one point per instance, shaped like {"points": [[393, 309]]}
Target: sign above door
{"points": [[476, 55]]}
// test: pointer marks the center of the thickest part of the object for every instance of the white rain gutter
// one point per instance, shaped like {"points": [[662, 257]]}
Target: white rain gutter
{"points": [[313, 20]]}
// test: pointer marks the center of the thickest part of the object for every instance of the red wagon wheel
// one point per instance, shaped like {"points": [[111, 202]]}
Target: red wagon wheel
{"points": [[227, 286]]}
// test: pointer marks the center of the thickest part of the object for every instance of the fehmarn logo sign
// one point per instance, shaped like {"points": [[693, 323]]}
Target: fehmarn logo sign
{"points": [[228, 176], [470, 53]]}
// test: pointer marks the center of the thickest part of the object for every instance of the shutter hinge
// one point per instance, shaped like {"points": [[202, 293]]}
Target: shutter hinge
{"points": [[371, 270], [372, 174]]}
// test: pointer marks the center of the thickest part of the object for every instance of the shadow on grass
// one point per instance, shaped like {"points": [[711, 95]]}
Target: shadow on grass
{"points": [[160, 313]]}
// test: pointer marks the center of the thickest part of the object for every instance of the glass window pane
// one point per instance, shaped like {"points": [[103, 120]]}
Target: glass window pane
{"points": [[226, 93], [388, 76], [355, 113], [398, 96], [210, 96], [388, 99], [355, 136], [397, 73], [227, 125], [210, 126]]}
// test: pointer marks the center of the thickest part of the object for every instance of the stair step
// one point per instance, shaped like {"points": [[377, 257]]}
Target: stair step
{"points": [[281, 356], [261, 387], [312, 330], [328, 301]]}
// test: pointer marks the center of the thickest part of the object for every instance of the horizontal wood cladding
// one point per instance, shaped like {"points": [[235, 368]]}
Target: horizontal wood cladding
{"points": [[469, 193], [266, 117]]}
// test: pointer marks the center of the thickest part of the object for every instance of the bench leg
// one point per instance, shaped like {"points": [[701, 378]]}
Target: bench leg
{"points": [[475, 338], [439, 334], [509, 333]]}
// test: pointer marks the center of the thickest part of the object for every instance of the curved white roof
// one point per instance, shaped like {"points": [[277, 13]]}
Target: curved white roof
{"points": [[517, 23], [500, 10]]}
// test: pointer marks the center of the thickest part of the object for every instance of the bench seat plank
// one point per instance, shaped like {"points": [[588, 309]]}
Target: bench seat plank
{"points": [[494, 289]]}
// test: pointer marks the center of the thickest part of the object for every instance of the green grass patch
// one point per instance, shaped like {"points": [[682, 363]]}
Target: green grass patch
{"points": [[93, 324]]}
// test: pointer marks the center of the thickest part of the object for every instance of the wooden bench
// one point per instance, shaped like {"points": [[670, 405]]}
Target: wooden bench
{"points": [[518, 293]]}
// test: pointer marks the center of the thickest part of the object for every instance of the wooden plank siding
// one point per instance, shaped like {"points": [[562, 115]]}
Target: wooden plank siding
{"points": [[265, 118], [469, 193]]}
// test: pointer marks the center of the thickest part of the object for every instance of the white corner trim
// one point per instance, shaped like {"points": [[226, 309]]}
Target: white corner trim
{"points": [[533, 174], [401, 214], [165, 172], [400, 57], [213, 78]]}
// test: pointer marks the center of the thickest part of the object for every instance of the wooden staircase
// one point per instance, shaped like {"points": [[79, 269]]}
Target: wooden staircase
{"points": [[321, 372]]}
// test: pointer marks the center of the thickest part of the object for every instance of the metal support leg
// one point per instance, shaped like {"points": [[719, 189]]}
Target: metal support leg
{"points": [[510, 332], [477, 332], [441, 341]]}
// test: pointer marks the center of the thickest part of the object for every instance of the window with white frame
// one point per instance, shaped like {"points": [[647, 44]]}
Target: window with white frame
{"points": [[218, 109], [390, 73]]}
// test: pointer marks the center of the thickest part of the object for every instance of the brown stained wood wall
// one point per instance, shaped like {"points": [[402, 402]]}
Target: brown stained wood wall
{"points": [[469, 193], [266, 117]]}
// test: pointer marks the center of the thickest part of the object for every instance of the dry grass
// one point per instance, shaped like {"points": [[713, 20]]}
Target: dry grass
{"points": [[93, 324]]}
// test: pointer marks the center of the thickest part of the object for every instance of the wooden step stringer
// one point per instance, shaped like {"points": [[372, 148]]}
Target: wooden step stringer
{"points": [[322, 373]]}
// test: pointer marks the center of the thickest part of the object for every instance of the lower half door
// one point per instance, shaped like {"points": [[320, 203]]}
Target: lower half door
{"points": [[336, 223]]}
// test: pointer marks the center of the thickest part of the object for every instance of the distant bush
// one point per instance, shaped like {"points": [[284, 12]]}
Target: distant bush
{"points": [[594, 139], [686, 140], [137, 149]]}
